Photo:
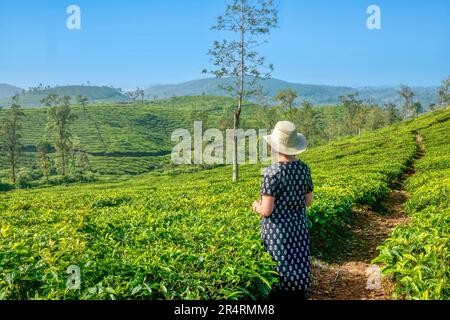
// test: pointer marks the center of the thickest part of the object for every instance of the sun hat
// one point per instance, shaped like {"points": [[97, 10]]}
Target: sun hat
{"points": [[285, 139]]}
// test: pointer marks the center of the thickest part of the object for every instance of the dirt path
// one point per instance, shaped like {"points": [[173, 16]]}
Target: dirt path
{"points": [[346, 277]]}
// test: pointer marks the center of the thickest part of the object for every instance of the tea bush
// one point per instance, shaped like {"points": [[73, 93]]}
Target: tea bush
{"points": [[180, 236], [417, 254]]}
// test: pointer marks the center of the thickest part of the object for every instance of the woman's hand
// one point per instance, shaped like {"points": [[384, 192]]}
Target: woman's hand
{"points": [[256, 204], [265, 206], [309, 199]]}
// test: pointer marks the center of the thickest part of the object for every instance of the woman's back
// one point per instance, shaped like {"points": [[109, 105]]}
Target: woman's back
{"points": [[288, 183]]}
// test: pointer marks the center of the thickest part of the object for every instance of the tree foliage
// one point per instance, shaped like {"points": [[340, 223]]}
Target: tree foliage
{"points": [[238, 57], [11, 144], [59, 120]]}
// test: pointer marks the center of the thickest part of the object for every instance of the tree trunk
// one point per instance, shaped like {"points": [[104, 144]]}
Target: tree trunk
{"points": [[235, 152], [63, 163], [73, 162], [13, 167], [237, 113]]}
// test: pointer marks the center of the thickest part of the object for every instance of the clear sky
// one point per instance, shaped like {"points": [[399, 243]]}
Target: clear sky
{"points": [[140, 43]]}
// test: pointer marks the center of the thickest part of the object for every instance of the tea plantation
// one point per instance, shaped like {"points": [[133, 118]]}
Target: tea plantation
{"points": [[121, 139], [417, 254], [194, 236]]}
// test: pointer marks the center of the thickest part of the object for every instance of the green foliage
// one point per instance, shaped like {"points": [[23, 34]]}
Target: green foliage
{"points": [[59, 120], [417, 254], [33, 97], [124, 140], [286, 99], [172, 236], [45, 162], [24, 177], [11, 137], [193, 236]]}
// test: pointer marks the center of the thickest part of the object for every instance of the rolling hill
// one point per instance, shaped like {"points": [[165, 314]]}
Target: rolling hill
{"points": [[316, 94], [93, 93], [137, 139], [7, 90]]}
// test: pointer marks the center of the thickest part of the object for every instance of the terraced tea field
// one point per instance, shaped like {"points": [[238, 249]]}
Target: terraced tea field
{"points": [[193, 235], [136, 139]]}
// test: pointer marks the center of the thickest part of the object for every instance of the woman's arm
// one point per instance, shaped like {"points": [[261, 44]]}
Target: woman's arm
{"points": [[265, 206], [309, 199]]}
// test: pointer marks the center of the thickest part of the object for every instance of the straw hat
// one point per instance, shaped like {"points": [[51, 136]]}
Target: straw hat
{"points": [[285, 139]]}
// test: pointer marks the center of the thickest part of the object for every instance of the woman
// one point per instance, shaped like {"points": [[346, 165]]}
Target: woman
{"points": [[286, 191]]}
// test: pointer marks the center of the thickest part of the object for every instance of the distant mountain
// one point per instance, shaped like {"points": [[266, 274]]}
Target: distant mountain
{"points": [[7, 90], [93, 93], [316, 94]]}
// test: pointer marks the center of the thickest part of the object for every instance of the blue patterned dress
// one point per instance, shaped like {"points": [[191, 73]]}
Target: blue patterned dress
{"points": [[285, 233]]}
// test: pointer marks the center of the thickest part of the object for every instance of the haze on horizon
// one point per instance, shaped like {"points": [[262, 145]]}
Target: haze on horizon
{"points": [[143, 43]]}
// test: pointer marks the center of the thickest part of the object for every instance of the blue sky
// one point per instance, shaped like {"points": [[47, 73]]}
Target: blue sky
{"points": [[139, 43]]}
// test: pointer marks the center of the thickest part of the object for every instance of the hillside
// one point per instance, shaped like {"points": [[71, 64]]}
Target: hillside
{"points": [[137, 138], [134, 139], [317, 94], [93, 93], [7, 91], [193, 235]]}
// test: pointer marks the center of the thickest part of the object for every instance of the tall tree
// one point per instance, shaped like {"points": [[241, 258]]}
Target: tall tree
{"points": [[140, 93], [82, 102], [374, 117], [407, 95], [416, 109], [286, 100], [310, 122], [133, 96], [392, 114], [237, 57], [45, 163], [305, 119], [354, 114], [83, 162], [74, 150], [59, 120], [333, 120], [444, 96], [11, 137]]}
